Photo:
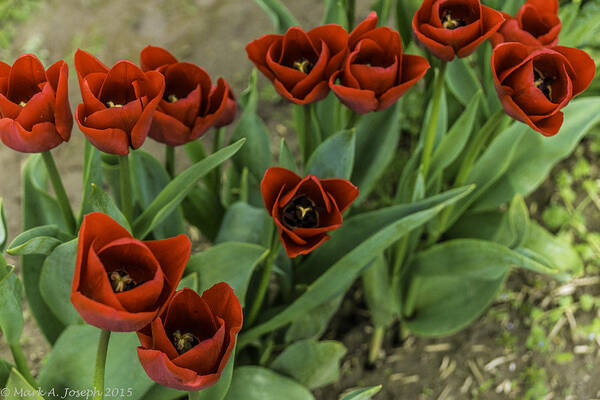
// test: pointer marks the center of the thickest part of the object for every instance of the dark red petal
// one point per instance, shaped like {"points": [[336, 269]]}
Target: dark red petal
{"points": [[152, 57], [123, 118], [310, 186], [257, 52], [358, 100], [583, 66], [319, 92], [153, 86], [26, 75], [90, 91], [95, 284], [225, 304], [294, 250], [112, 141], [117, 86], [205, 357], [40, 108], [166, 129], [413, 70], [8, 109], [159, 340], [86, 64], [335, 38], [343, 191], [186, 109], [491, 21], [227, 114], [41, 138], [368, 24], [274, 180], [58, 77]]}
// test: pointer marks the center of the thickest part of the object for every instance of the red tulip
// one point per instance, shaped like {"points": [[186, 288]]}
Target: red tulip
{"points": [[121, 283], [188, 346], [191, 104], [535, 83], [300, 63], [536, 24], [305, 209], [451, 28], [376, 73], [34, 105], [118, 103]]}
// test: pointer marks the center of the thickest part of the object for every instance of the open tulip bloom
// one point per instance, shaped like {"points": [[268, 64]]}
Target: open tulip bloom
{"points": [[405, 165]]}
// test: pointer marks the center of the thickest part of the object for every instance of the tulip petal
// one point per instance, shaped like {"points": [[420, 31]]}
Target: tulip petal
{"points": [[112, 141], [41, 138], [58, 77], [153, 57], [26, 75], [168, 130], [343, 192], [274, 180]]}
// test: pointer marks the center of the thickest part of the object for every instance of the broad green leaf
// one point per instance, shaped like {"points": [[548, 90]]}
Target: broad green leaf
{"points": [[203, 209], [190, 281], [462, 81], [281, 17], [313, 323], [70, 364], [334, 158], [362, 394], [100, 201], [149, 178], [286, 159], [378, 292], [452, 283], [360, 228], [343, 271], [38, 240], [377, 136], [245, 223], [39, 208], [168, 200], [257, 383], [229, 262], [454, 141], [55, 282], [335, 13], [160, 392], [312, 363], [111, 174], [11, 309], [92, 173], [3, 227], [536, 155], [329, 113], [518, 217], [18, 388], [195, 151], [5, 368]]}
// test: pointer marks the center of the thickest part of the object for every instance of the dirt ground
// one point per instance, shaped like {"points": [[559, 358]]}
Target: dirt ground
{"points": [[489, 360]]}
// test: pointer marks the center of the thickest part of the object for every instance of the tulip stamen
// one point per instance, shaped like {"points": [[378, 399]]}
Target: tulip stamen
{"points": [[121, 281], [301, 212], [303, 65], [22, 104], [172, 98], [111, 104], [451, 23], [184, 341], [543, 83]]}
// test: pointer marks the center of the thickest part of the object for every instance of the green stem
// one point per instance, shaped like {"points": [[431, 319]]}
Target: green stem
{"points": [[376, 342], [194, 395], [351, 12], [21, 363], [125, 181], [100, 365], [434, 117], [59, 190], [352, 120], [218, 171], [264, 281], [170, 160]]}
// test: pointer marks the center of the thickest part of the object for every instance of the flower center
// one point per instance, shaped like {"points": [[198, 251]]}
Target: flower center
{"points": [[111, 104], [184, 341], [22, 104], [303, 65], [121, 281], [301, 212], [449, 22], [172, 98], [543, 83]]}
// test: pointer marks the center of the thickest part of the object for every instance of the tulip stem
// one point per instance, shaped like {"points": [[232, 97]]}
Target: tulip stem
{"points": [[376, 342], [21, 363], [434, 117], [59, 191], [125, 181], [264, 281], [100, 365], [170, 160]]}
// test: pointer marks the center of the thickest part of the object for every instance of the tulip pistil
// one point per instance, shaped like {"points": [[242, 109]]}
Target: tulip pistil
{"points": [[22, 104], [543, 83], [184, 341], [121, 281], [450, 22], [172, 98], [111, 104], [301, 212], [303, 65]]}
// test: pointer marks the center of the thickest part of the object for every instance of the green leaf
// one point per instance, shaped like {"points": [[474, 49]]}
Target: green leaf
{"points": [[11, 309], [362, 394], [149, 178], [518, 217], [286, 159], [38, 240], [101, 201], [92, 173], [190, 281], [335, 13], [313, 364], [55, 282], [39, 208], [452, 283], [257, 383], [454, 141], [203, 209], [5, 368], [18, 388], [462, 81], [229, 262], [378, 292], [343, 271], [245, 223], [3, 227], [312, 324], [281, 17], [536, 155], [334, 158], [168, 200], [377, 136], [70, 364]]}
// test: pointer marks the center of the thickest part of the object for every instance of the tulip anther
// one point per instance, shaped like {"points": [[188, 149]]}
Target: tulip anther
{"points": [[450, 22], [303, 65], [301, 212], [184, 341], [121, 281]]}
